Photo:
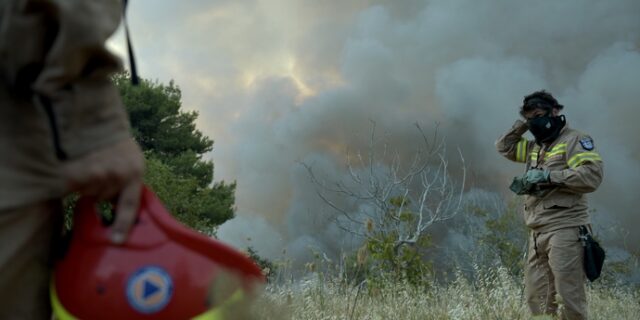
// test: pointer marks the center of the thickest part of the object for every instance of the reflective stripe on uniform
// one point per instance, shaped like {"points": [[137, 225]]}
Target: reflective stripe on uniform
{"points": [[534, 153], [583, 157], [521, 150], [558, 149]]}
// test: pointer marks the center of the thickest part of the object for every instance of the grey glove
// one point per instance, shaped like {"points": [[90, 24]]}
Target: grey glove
{"points": [[530, 181], [520, 186], [535, 176]]}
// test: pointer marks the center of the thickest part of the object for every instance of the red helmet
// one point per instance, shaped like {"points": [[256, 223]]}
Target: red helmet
{"points": [[163, 271]]}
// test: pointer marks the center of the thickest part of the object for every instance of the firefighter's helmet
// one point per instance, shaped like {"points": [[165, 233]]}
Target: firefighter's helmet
{"points": [[163, 271]]}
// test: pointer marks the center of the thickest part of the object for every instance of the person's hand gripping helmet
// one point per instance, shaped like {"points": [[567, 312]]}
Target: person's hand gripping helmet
{"points": [[163, 270]]}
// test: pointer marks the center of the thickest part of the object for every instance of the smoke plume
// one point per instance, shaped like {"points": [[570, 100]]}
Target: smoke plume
{"points": [[281, 82]]}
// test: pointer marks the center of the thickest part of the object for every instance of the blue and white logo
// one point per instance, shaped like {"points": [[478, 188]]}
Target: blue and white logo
{"points": [[587, 144], [149, 289]]}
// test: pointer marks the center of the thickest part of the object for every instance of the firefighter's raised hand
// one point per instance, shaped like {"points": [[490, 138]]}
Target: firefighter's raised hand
{"points": [[113, 172], [520, 127]]}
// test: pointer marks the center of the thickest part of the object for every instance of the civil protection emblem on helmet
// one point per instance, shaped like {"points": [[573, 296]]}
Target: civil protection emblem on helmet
{"points": [[149, 289]]}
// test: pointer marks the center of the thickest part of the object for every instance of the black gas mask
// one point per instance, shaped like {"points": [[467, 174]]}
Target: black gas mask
{"points": [[546, 128]]}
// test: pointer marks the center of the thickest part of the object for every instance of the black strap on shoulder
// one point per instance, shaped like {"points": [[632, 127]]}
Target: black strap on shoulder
{"points": [[53, 124], [132, 58]]}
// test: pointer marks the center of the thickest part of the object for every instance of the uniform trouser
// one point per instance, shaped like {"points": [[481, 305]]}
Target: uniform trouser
{"points": [[28, 236], [554, 266]]}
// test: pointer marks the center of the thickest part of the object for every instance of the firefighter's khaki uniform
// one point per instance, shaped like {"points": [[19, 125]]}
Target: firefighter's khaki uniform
{"points": [[555, 254], [56, 103]]}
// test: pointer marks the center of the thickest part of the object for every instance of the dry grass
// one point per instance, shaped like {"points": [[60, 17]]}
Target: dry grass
{"points": [[493, 296]]}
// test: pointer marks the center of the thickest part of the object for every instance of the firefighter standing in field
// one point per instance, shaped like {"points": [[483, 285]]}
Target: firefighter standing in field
{"points": [[62, 129], [562, 165]]}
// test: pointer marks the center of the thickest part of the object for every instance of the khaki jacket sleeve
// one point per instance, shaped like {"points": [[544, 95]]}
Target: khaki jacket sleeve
{"points": [[54, 50], [585, 170], [512, 145]]}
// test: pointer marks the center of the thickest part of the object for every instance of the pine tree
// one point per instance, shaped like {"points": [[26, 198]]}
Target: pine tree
{"points": [[174, 150]]}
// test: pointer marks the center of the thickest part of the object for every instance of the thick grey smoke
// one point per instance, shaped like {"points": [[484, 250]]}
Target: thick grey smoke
{"points": [[290, 80]]}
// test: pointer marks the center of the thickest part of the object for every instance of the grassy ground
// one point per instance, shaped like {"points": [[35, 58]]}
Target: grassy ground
{"points": [[494, 296]]}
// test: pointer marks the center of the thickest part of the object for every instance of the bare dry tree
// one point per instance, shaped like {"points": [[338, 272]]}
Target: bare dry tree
{"points": [[402, 197]]}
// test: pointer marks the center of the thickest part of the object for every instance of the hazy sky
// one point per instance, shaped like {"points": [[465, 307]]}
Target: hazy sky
{"points": [[282, 81]]}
